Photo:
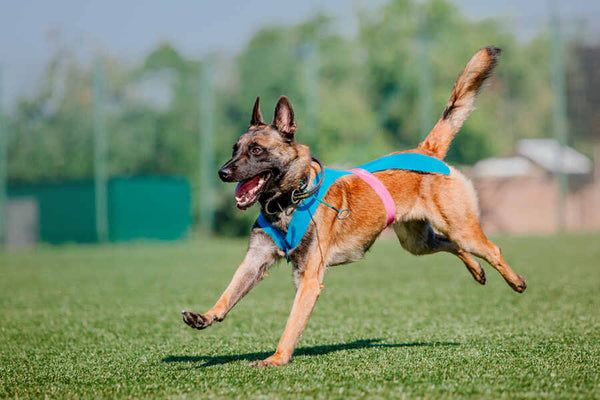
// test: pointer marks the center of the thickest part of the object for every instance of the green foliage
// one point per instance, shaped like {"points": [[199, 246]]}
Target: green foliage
{"points": [[50, 134], [355, 99], [165, 138], [104, 322]]}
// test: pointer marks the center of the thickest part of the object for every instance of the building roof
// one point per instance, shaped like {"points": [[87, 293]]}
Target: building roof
{"points": [[506, 167], [546, 153]]}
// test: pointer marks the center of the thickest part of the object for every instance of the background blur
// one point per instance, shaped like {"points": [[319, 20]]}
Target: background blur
{"points": [[115, 116]]}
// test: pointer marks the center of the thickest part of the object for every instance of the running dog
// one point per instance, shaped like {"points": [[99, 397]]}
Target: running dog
{"points": [[434, 212]]}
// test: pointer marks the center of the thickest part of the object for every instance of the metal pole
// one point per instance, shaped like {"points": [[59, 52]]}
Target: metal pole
{"points": [[425, 96], [100, 148], [3, 168], [559, 110], [207, 157], [312, 98]]}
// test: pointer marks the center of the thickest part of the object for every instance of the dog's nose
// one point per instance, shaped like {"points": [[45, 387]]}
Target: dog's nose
{"points": [[225, 174]]}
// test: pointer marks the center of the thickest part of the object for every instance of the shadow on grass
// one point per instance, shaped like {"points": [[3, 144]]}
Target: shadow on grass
{"points": [[303, 351]]}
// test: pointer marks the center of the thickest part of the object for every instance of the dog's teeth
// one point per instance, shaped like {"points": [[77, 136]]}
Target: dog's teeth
{"points": [[250, 195]]}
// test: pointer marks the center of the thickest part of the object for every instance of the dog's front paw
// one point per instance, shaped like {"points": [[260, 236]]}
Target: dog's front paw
{"points": [[196, 320], [273, 361]]}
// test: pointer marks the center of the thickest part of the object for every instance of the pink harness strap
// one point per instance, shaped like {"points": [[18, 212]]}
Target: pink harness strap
{"points": [[381, 190]]}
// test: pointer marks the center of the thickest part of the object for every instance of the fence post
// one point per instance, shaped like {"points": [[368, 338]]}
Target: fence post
{"points": [[100, 147], [559, 107], [311, 66], [206, 188], [3, 168], [425, 98]]}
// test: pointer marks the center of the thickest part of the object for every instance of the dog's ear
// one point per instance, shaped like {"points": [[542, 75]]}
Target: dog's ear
{"points": [[257, 118], [283, 119]]}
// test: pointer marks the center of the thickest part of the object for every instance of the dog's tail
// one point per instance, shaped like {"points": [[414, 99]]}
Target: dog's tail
{"points": [[467, 86]]}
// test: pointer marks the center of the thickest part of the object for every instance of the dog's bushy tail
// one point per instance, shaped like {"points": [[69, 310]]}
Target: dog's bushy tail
{"points": [[467, 86]]}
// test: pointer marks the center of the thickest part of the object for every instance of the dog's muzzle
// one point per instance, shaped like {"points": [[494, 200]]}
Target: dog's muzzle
{"points": [[225, 174]]}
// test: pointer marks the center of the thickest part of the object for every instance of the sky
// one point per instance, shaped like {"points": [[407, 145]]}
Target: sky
{"points": [[129, 29]]}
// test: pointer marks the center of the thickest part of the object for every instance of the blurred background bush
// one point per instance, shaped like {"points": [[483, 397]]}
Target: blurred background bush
{"points": [[364, 79]]}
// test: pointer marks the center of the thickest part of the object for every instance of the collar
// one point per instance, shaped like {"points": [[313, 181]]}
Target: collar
{"points": [[281, 203]]}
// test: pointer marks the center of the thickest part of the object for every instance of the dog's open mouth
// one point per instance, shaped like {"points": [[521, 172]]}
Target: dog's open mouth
{"points": [[246, 192]]}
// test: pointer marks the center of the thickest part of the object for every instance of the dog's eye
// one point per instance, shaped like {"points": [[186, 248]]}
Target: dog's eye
{"points": [[256, 150]]}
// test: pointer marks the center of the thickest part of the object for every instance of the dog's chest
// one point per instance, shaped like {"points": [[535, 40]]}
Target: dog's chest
{"points": [[339, 256], [348, 251], [343, 252]]}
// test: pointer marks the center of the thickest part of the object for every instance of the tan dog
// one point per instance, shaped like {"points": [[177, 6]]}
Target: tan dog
{"points": [[270, 165]]}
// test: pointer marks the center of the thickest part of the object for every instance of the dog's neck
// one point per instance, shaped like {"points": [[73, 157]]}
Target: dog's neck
{"points": [[278, 208]]}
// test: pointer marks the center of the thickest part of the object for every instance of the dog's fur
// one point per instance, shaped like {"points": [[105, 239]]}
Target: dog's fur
{"points": [[434, 212]]}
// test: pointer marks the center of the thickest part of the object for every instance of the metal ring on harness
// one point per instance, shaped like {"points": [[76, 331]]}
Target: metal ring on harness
{"points": [[343, 214], [267, 208], [297, 198]]}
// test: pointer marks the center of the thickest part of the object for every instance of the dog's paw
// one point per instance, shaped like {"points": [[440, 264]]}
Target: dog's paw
{"points": [[272, 361], [195, 320], [520, 285], [480, 277]]}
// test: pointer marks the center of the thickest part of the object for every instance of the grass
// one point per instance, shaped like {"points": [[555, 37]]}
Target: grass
{"points": [[103, 321]]}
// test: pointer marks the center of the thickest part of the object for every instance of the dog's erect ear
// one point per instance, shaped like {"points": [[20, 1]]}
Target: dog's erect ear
{"points": [[283, 119], [257, 118]]}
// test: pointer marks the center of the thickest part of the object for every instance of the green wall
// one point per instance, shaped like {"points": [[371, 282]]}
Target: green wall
{"points": [[150, 207]]}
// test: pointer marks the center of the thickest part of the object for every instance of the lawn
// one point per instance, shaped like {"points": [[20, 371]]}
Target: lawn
{"points": [[104, 321]]}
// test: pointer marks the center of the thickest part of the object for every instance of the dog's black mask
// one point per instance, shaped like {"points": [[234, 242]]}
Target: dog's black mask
{"points": [[267, 161]]}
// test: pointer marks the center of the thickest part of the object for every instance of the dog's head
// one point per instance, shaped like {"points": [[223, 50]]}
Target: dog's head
{"points": [[267, 161]]}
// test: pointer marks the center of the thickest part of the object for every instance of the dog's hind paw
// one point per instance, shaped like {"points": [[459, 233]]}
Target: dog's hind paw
{"points": [[195, 320], [522, 285], [481, 277], [519, 285]]}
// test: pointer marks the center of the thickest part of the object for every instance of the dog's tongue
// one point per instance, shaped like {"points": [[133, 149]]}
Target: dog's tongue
{"points": [[246, 186]]}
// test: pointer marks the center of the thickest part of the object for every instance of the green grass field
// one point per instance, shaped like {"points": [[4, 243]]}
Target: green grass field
{"points": [[103, 321]]}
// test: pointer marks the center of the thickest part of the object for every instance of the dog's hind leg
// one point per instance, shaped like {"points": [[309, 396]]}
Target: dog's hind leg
{"points": [[469, 236], [453, 212], [418, 238]]}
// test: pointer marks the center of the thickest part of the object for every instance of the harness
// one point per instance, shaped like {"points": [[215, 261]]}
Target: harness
{"points": [[306, 208]]}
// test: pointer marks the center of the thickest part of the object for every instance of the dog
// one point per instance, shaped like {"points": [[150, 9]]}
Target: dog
{"points": [[434, 212]]}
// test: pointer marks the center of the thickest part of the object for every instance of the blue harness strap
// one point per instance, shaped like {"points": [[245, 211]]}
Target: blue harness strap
{"points": [[306, 209]]}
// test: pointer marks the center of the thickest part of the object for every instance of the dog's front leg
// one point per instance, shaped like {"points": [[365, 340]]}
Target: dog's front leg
{"points": [[309, 288], [261, 255]]}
